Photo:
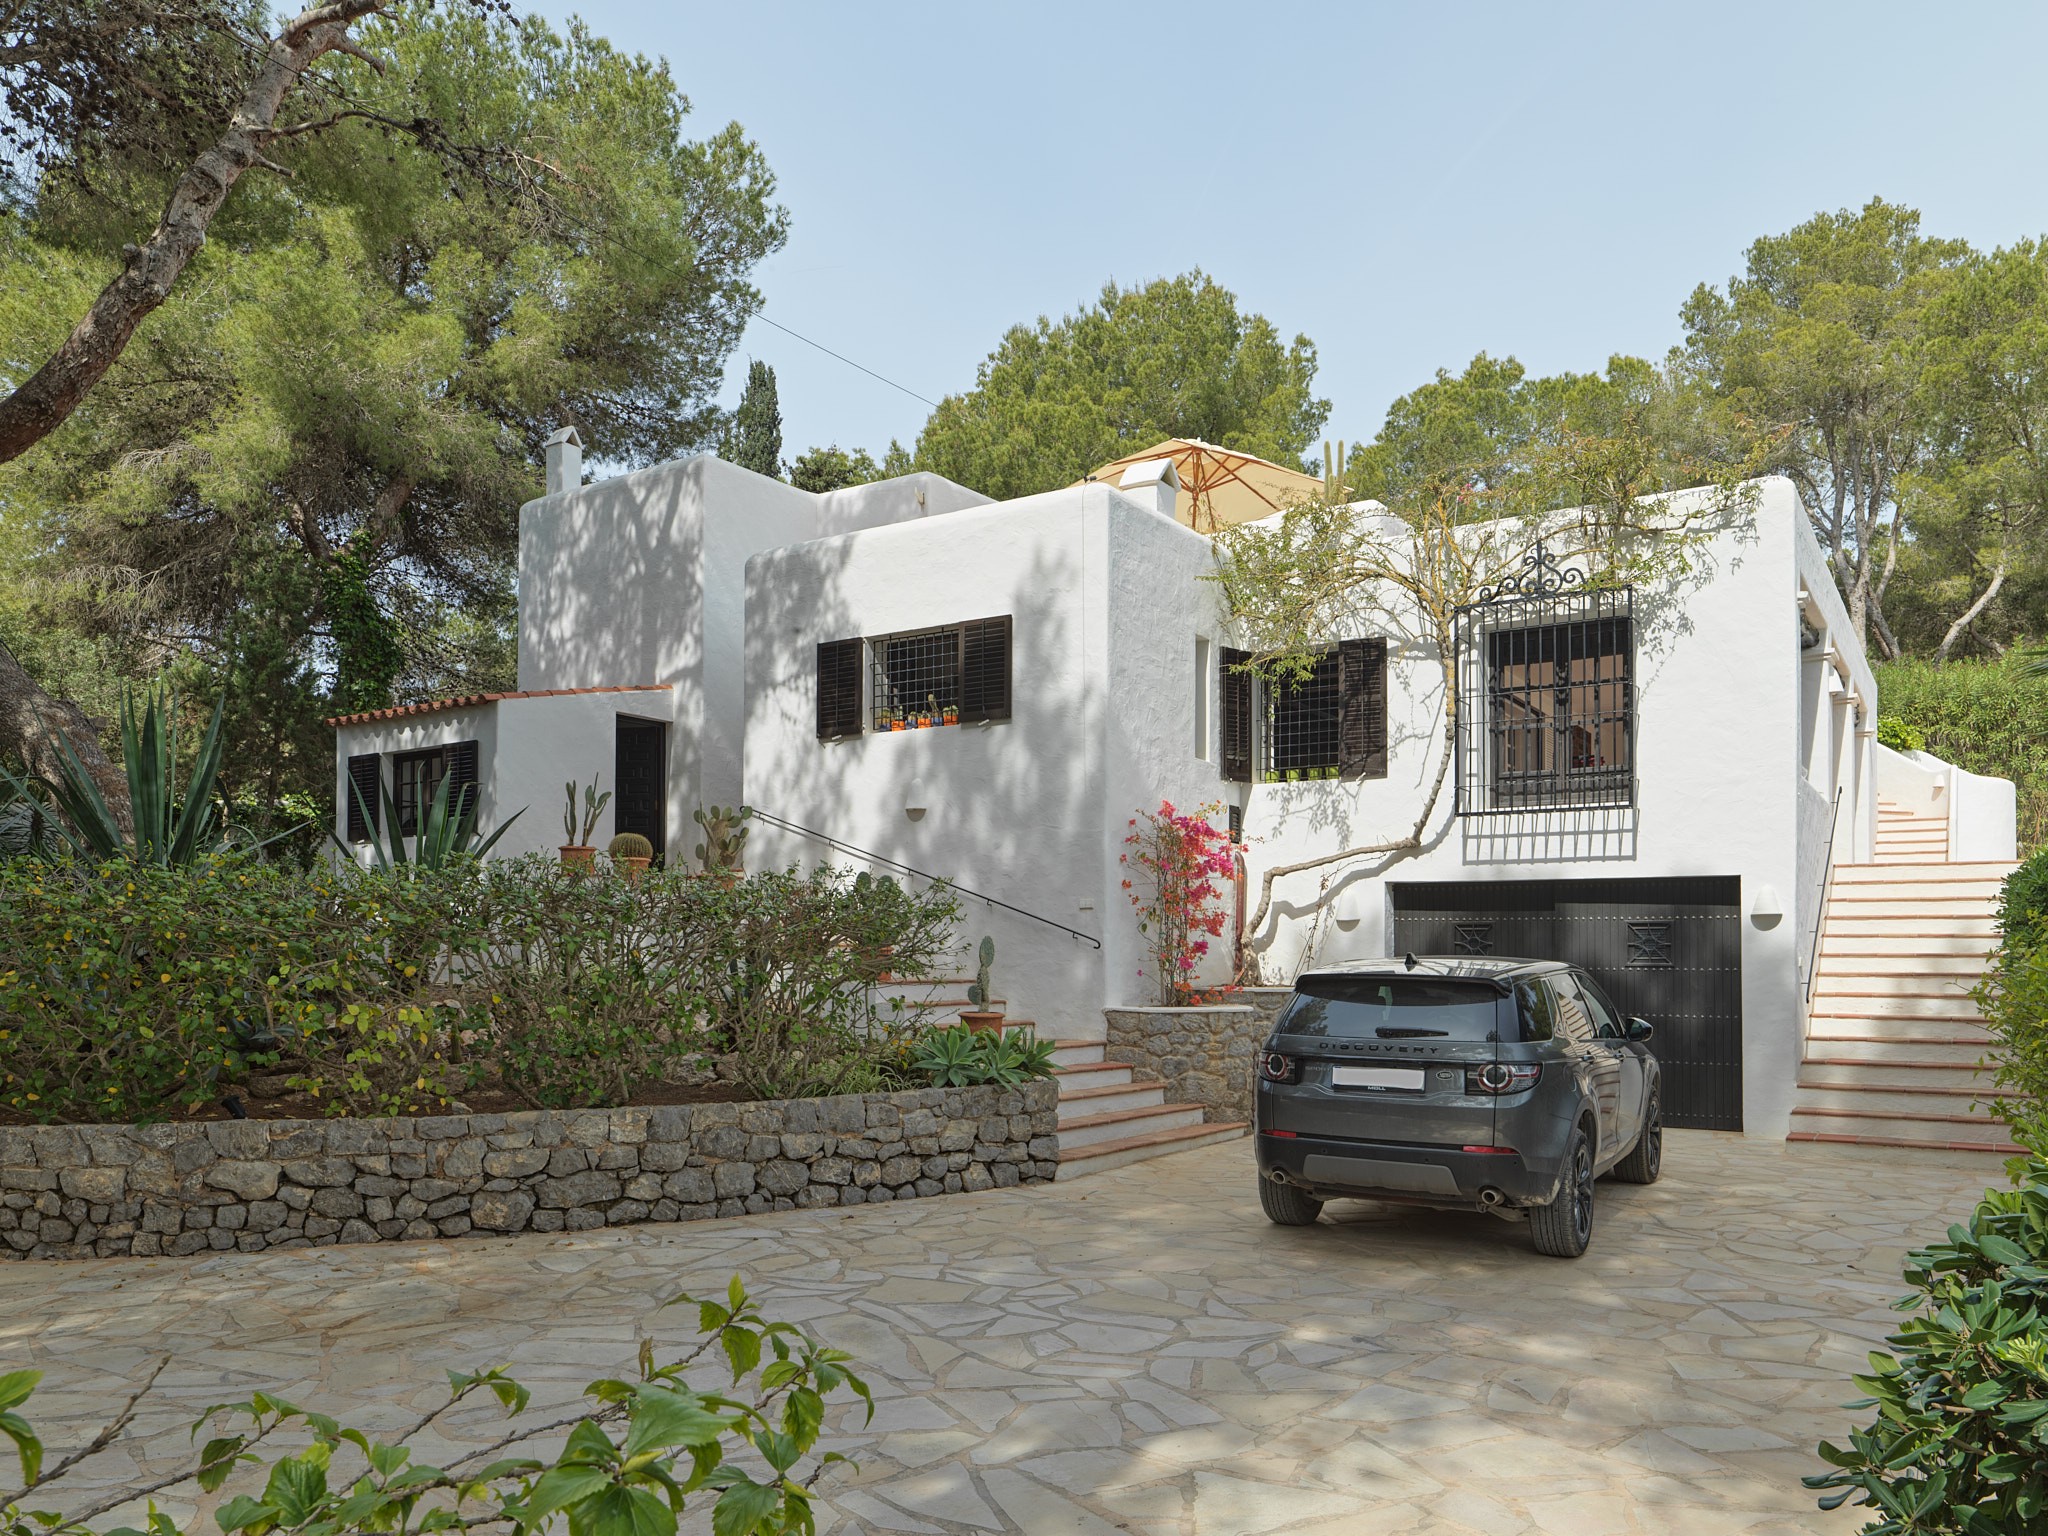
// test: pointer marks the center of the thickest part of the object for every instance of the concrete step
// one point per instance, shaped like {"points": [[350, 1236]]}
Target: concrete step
{"points": [[1121, 1124], [1896, 1070], [1865, 966], [1838, 1138], [1078, 1102], [1974, 947], [1952, 1050], [1944, 925], [1977, 874], [1105, 1155], [1918, 1128], [1964, 1103], [1093, 1074], [1854, 904], [1076, 1053], [1901, 994]]}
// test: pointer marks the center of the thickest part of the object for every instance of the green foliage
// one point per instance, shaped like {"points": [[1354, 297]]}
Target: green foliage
{"points": [[1172, 358], [367, 654], [129, 991], [170, 827], [1990, 717], [630, 845], [982, 989], [960, 1057], [725, 837], [316, 448], [1959, 1446], [447, 832], [832, 469], [755, 441], [1900, 735], [655, 1442]]}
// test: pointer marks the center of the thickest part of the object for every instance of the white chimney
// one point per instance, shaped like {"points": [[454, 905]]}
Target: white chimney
{"points": [[1154, 483], [565, 461]]}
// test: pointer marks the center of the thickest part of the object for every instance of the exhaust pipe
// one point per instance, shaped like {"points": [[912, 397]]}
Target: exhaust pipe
{"points": [[1490, 1198]]}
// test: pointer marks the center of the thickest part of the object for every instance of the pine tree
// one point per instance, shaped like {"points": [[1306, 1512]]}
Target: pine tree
{"points": [[756, 440]]}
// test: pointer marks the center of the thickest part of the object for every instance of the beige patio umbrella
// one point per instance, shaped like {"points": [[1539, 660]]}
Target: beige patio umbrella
{"points": [[1219, 487]]}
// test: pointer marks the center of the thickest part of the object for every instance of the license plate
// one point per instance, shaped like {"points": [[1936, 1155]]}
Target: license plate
{"points": [[1405, 1079]]}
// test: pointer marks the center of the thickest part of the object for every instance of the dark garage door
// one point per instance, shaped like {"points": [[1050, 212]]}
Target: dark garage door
{"points": [[1667, 950]]}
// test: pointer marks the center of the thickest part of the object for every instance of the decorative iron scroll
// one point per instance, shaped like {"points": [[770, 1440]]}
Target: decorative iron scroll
{"points": [[1540, 576]]}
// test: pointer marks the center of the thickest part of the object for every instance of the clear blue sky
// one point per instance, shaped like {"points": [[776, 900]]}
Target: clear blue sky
{"points": [[1407, 185]]}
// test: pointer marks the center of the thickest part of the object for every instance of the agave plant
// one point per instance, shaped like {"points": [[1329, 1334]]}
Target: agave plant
{"points": [[447, 832], [959, 1057], [171, 827]]}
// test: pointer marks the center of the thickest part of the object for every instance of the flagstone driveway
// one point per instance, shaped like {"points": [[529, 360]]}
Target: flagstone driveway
{"points": [[1138, 1352]]}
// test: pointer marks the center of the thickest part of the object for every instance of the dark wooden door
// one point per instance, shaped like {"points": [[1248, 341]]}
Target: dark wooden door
{"points": [[1666, 950], [640, 802]]}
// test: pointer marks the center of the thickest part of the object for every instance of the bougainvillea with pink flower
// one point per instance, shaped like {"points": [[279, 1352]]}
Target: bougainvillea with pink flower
{"points": [[1178, 870]]}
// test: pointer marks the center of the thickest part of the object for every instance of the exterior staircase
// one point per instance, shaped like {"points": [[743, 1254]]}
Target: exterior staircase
{"points": [[1895, 1048], [1109, 1116]]}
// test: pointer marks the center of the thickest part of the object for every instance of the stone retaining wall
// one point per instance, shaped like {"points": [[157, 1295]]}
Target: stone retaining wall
{"points": [[91, 1191], [1204, 1055]]}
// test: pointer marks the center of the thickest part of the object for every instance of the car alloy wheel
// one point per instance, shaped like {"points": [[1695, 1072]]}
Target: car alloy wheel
{"points": [[1582, 1193]]}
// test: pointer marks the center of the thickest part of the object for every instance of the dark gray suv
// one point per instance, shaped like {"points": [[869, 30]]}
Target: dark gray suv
{"points": [[1489, 1084]]}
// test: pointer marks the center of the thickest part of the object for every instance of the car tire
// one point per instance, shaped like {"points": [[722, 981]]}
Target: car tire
{"points": [[1645, 1159], [1564, 1228], [1287, 1206]]}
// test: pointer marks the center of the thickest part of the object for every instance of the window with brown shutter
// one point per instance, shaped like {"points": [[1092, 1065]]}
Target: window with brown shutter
{"points": [[1234, 686], [365, 783], [462, 777], [985, 670], [1362, 709], [839, 666]]}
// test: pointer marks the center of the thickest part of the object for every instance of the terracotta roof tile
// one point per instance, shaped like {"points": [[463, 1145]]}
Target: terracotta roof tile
{"points": [[471, 700]]}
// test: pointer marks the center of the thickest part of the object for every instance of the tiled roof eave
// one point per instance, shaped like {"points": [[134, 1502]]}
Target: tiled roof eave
{"points": [[473, 700]]}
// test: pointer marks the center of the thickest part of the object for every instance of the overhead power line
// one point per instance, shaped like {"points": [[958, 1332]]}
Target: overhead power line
{"points": [[844, 359]]}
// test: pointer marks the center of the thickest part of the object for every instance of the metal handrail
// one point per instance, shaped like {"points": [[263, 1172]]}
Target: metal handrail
{"points": [[1820, 909], [878, 858]]}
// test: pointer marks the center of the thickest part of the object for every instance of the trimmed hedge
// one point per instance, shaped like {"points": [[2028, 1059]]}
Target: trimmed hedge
{"points": [[1986, 716]]}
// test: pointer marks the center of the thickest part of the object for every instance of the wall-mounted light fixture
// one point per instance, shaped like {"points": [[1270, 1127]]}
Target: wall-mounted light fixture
{"points": [[916, 801], [1765, 910]]}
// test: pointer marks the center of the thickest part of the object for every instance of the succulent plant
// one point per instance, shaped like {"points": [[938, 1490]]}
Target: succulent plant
{"points": [[630, 845], [593, 807], [982, 990], [725, 836]]}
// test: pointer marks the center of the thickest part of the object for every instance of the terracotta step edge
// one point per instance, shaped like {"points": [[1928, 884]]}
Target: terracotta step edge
{"points": [[1111, 1117], [1152, 1139]]}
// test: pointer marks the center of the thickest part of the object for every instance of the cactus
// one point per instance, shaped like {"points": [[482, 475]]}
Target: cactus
{"points": [[593, 807], [630, 845], [983, 989], [725, 837]]}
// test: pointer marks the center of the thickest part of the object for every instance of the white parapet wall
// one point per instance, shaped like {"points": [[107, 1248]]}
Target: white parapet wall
{"points": [[1982, 812]]}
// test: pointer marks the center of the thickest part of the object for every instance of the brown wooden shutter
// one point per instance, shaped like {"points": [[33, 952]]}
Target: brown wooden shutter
{"points": [[1234, 686], [1362, 721], [985, 670], [839, 664], [462, 777], [366, 782]]}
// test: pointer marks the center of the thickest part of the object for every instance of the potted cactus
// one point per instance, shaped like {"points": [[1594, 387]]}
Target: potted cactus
{"points": [[725, 840], [631, 853], [896, 720], [951, 716], [929, 716], [982, 992], [577, 852]]}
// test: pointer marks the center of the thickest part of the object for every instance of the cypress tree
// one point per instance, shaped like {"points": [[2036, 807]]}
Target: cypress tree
{"points": [[756, 439]]}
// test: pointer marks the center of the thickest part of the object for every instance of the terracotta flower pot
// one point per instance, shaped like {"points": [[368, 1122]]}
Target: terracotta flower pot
{"points": [[634, 867], [578, 855], [981, 1018]]}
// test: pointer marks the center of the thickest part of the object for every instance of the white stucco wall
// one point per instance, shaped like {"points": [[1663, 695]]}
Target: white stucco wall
{"points": [[527, 749]]}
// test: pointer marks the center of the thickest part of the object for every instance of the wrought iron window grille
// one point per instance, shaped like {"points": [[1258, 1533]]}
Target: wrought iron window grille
{"points": [[952, 675], [1649, 946], [1546, 690], [1304, 724], [1472, 939]]}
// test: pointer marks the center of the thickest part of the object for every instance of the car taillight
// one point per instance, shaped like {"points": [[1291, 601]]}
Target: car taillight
{"points": [[1502, 1077], [1275, 1067]]}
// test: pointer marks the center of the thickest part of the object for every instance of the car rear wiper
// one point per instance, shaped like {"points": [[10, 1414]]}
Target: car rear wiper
{"points": [[1411, 1034]]}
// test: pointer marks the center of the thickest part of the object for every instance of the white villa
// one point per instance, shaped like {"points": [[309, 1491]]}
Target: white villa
{"points": [[1671, 786]]}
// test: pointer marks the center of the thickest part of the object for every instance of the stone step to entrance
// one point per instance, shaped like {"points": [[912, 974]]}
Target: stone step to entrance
{"points": [[1915, 1071], [1962, 1050], [1975, 1133], [1123, 1124], [1092, 1074], [1102, 1156], [1963, 1101], [1117, 1097]]}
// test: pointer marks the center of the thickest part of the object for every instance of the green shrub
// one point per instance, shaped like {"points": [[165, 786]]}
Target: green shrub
{"points": [[1987, 716], [2023, 904], [649, 1447], [960, 1057], [1960, 1441], [1899, 736]]}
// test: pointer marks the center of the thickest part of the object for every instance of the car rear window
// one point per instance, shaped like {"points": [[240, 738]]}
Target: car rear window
{"points": [[1391, 1008]]}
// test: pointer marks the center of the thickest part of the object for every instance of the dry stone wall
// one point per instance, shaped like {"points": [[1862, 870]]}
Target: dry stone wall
{"points": [[1204, 1055], [97, 1191]]}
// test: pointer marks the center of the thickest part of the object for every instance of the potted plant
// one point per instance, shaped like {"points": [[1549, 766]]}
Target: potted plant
{"points": [[931, 712], [632, 853], [725, 840], [896, 722], [952, 714], [981, 1015], [578, 853]]}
